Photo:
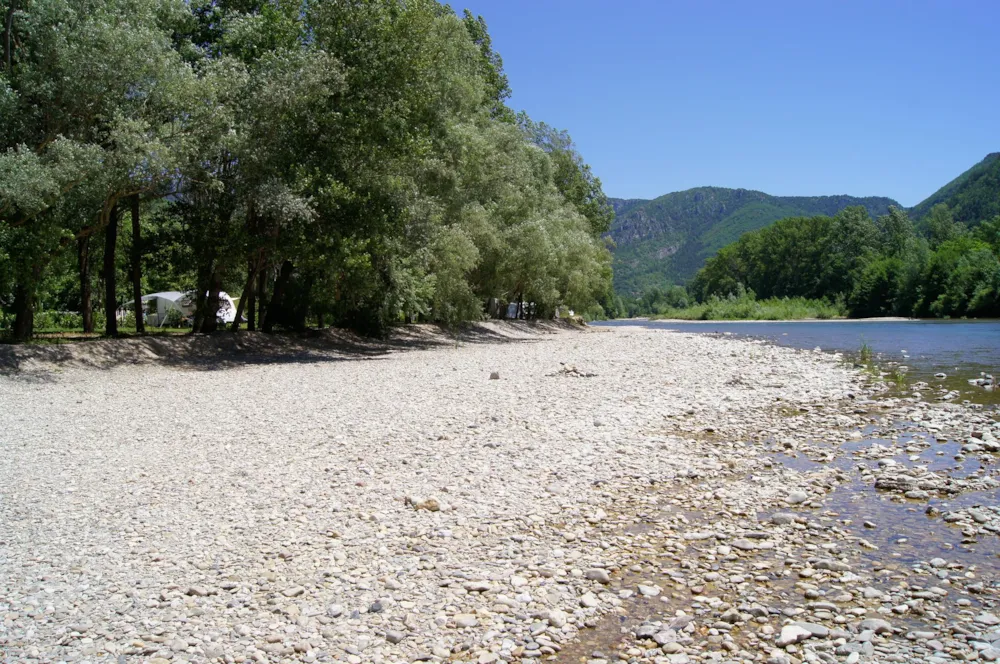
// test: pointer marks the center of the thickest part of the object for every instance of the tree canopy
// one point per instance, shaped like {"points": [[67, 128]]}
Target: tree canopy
{"points": [[876, 267], [350, 162]]}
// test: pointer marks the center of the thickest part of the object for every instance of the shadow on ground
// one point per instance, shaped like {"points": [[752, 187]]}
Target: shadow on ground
{"points": [[224, 350]]}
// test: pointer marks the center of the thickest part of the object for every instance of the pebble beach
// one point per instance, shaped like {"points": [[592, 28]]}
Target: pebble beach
{"points": [[523, 494]]}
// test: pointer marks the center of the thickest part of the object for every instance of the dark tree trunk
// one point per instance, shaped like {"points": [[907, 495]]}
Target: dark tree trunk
{"points": [[24, 312], [247, 295], [261, 298], [211, 321], [140, 325], [252, 300], [300, 309], [83, 263], [275, 308], [203, 283], [110, 276]]}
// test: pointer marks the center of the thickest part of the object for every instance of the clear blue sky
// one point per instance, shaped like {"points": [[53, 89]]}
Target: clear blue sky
{"points": [[791, 98]]}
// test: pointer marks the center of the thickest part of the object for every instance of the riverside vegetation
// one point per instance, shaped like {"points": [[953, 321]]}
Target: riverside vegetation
{"points": [[850, 257], [845, 265], [352, 163]]}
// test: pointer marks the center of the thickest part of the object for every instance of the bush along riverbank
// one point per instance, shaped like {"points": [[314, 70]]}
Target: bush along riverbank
{"points": [[703, 493], [747, 307]]}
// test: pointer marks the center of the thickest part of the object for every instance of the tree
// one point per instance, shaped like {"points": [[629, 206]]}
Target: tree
{"points": [[352, 162], [573, 177], [941, 225], [491, 69], [84, 130]]}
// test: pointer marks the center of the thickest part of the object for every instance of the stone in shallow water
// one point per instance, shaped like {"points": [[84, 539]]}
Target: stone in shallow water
{"points": [[646, 631], [797, 497], [876, 625], [834, 565]]}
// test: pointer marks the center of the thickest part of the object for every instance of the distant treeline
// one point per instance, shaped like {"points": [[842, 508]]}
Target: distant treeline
{"points": [[348, 162], [846, 264]]}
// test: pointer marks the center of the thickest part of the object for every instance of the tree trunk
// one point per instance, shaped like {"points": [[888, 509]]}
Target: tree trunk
{"points": [[251, 300], [274, 309], [110, 276], [261, 298], [83, 263], [211, 321], [24, 311], [140, 325], [202, 285], [244, 297]]}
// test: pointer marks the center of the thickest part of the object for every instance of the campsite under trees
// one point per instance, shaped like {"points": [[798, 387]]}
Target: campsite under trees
{"points": [[337, 162]]}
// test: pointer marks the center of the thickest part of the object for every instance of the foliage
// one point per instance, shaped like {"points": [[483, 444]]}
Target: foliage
{"points": [[878, 268], [668, 239], [972, 197], [745, 306], [353, 161]]}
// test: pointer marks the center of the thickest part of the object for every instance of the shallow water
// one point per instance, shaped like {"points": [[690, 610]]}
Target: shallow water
{"points": [[961, 349], [902, 534]]}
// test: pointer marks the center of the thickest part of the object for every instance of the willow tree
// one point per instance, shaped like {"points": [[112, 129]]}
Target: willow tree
{"points": [[78, 121]]}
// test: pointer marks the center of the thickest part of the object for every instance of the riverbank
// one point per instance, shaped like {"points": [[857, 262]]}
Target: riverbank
{"points": [[748, 307], [404, 505], [882, 319]]}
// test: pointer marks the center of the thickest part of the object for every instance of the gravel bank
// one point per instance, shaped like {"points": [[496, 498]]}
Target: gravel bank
{"points": [[392, 507]]}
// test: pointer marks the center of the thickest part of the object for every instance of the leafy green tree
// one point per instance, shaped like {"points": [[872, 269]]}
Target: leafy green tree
{"points": [[573, 177], [491, 68], [349, 162], [84, 128], [941, 225]]}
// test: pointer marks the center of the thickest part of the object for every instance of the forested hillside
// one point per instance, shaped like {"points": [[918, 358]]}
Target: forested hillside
{"points": [[972, 197], [352, 163], [666, 240], [869, 267]]}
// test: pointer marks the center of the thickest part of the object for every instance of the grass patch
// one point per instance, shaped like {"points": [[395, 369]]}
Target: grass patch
{"points": [[747, 307], [866, 354]]}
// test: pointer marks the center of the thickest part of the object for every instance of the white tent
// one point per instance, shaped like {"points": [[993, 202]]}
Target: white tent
{"points": [[159, 305]]}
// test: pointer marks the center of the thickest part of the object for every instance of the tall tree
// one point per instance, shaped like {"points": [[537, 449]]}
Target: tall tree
{"points": [[136, 271], [110, 274]]}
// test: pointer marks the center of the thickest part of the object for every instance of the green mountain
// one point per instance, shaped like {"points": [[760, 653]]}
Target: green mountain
{"points": [[973, 196], [666, 240]]}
